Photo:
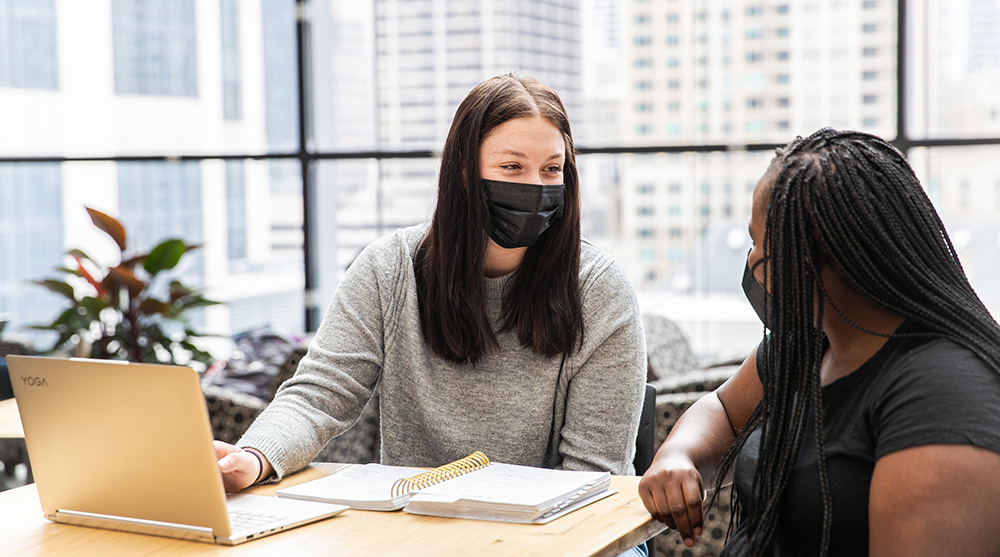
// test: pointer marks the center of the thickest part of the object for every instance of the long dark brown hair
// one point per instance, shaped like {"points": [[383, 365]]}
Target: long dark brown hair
{"points": [[849, 200], [542, 303]]}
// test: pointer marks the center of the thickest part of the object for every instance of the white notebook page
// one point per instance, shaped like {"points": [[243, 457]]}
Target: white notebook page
{"points": [[509, 483], [369, 482]]}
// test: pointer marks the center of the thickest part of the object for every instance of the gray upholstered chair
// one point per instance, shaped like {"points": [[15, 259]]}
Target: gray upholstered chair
{"points": [[13, 452], [667, 350]]}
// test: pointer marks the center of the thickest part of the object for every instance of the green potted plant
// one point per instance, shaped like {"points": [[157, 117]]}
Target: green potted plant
{"points": [[125, 311]]}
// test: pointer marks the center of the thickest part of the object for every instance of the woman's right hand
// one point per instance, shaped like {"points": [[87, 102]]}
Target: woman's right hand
{"points": [[238, 467], [673, 488], [673, 493]]}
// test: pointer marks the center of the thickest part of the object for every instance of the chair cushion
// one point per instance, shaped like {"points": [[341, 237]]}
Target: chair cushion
{"points": [[667, 350]]}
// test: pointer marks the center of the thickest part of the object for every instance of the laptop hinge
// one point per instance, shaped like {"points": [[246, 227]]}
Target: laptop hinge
{"points": [[135, 525]]}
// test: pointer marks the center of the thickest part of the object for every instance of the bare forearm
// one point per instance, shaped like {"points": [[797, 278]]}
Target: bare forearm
{"points": [[703, 434], [673, 488]]}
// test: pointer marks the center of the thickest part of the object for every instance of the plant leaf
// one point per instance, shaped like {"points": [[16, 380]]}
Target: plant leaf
{"points": [[69, 319], [57, 286], [192, 333], [164, 256], [68, 323], [110, 225], [122, 276], [156, 336], [78, 253], [198, 354], [133, 261], [113, 297], [65, 319], [150, 306], [93, 306], [69, 271], [85, 274], [178, 291], [198, 302]]}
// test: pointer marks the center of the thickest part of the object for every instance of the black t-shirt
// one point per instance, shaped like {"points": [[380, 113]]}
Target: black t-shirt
{"points": [[914, 391]]}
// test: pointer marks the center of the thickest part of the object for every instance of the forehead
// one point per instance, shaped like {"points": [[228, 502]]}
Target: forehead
{"points": [[758, 212], [762, 191], [521, 134]]}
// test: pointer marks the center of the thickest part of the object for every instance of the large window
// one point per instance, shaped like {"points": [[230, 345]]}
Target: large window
{"points": [[192, 118], [28, 57], [31, 238], [236, 211], [281, 85], [158, 200], [955, 66], [232, 82], [155, 44]]}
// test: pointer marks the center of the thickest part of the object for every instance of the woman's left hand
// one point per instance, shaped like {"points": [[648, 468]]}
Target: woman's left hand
{"points": [[239, 468]]}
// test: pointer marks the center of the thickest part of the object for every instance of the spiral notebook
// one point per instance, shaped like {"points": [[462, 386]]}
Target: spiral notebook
{"points": [[472, 487]]}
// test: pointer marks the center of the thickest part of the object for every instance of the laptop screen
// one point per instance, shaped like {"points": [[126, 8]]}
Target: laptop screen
{"points": [[121, 439]]}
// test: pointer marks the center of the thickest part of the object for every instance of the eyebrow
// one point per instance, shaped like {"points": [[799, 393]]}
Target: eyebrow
{"points": [[523, 156]]}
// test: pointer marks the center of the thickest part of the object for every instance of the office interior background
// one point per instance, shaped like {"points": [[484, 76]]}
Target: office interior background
{"points": [[285, 136]]}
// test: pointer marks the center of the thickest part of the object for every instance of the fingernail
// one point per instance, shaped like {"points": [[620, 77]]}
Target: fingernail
{"points": [[697, 530]]}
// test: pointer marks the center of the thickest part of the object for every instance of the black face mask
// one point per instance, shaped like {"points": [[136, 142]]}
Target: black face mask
{"points": [[756, 294], [520, 213]]}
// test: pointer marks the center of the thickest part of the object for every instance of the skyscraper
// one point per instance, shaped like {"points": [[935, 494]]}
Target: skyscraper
{"points": [[164, 77], [735, 73], [428, 56]]}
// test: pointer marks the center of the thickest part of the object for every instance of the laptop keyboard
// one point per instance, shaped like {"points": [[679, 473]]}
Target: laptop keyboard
{"points": [[240, 519]]}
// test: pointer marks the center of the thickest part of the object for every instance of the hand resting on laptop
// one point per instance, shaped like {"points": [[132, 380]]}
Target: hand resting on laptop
{"points": [[240, 468]]}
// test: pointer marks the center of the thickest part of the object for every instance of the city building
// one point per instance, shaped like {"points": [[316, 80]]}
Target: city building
{"points": [[428, 56], [735, 73], [183, 119], [121, 81]]}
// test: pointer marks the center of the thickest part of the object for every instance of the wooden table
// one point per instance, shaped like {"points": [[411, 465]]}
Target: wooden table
{"points": [[10, 420], [605, 528]]}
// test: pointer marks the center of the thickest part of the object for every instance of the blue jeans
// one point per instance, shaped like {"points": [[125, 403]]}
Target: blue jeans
{"points": [[637, 551]]}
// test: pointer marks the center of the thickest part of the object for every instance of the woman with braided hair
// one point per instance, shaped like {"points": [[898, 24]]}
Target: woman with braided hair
{"points": [[867, 422]]}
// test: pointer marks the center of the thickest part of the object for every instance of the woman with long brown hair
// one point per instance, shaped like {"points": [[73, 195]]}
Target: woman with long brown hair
{"points": [[493, 328]]}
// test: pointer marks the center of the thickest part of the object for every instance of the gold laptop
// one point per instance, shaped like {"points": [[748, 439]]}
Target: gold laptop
{"points": [[128, 446]]}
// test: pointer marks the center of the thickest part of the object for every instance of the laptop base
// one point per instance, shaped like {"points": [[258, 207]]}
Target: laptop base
{"points": [[294, 517], [134, 525]]}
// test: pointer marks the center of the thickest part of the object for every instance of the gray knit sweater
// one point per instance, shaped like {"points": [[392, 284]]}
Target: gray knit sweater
{"points": [[508, 405]]}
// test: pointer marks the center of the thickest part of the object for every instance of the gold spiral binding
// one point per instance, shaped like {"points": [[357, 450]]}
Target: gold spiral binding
{"points": [[473, 462]]}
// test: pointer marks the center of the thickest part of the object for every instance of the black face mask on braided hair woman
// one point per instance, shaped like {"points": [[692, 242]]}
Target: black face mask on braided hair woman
{"points": [[756, 293]]}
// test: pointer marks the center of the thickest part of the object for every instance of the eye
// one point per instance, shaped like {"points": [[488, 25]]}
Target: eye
{"points": [[554, 169], [510, 166]]}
